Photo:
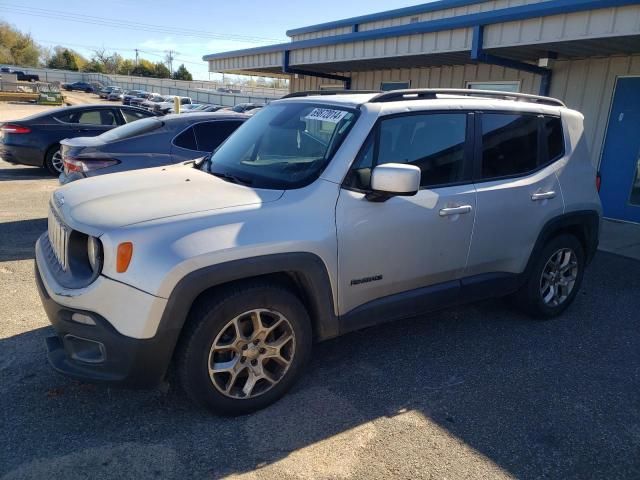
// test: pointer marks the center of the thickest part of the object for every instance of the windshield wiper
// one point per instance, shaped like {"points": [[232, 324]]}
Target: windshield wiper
{"points": [[232, 178]]}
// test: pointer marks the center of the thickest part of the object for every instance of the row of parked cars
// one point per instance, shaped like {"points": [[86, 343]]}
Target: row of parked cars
{"points": [[155, 102]]}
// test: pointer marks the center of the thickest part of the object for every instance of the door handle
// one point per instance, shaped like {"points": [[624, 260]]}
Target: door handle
{"points": [[445, 212], [543, 196]]}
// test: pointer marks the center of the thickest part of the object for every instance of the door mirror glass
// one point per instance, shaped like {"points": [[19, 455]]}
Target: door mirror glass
{"points": [[392, 179]]}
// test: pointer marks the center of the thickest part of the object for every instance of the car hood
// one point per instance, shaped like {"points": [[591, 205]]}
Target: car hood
{"points": [[95, 205]]}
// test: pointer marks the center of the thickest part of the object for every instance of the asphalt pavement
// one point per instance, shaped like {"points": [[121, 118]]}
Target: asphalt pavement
{"points": [[475, 392]]}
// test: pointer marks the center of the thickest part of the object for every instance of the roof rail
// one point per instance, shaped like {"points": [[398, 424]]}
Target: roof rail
{"points": [[432, 94], [327, 92]]}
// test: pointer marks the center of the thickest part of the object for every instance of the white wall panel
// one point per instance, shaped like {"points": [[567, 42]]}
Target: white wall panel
{"points": [[572, 26]]}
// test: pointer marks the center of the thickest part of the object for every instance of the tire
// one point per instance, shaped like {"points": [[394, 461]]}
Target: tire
{"points": [[88, 90], [548, 297], [239, 384], [51, 162]]}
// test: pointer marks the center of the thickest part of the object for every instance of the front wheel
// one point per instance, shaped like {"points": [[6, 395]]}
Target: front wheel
{"points": [[243, 348], [555, 278]]}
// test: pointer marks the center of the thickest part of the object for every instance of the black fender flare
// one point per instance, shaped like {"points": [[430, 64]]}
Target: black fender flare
{"points": [[307, 270], [586, 221]]}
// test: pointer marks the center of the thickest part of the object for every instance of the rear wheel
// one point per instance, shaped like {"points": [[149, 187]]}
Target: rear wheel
{"points": [[53, 160], [555, 278], [244, 348]]}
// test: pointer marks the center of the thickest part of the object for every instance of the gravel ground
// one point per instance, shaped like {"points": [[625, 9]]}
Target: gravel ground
{"points": [[476, 392]]}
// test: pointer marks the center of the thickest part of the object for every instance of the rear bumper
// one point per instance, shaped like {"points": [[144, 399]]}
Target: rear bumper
{"points": [[22, 155], [98, 353]]}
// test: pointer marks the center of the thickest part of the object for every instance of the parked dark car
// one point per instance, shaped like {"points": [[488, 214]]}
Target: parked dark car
{"points": [[82, 86], [25, 77], [131, 94], [163, 108], [245, 107], [104, 93], [205, 108], [35, 140], [150, 142], [150, 102]]}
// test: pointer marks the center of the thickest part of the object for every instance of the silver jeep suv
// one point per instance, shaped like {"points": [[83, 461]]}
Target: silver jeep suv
{"points": [[321, 215]]}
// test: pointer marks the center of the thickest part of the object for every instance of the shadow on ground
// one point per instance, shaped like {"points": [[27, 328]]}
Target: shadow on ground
{"points": [[22, 173], [557, 399], [18, 239]]}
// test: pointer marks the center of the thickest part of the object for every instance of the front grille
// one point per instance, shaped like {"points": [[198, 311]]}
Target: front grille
{"points": [[59, 238]]}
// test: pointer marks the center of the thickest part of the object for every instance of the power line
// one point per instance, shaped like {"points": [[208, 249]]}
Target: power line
{"points": [[125, 24]]}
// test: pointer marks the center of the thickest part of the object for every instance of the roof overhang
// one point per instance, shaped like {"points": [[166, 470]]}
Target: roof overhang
{"points": [[509, 14]]}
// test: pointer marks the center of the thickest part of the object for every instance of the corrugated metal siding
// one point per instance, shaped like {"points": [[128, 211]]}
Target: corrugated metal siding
{"points": [[588, 86], [247, 62], [444, 77], [322, 33], [423, 17], [447, 13], [425, 43], [573, 26]]}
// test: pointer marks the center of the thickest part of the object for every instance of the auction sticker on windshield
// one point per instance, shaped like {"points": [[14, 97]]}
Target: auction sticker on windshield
{"points": [[326, 115]]}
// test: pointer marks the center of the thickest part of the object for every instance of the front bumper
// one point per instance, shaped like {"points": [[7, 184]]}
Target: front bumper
{"points": [[101, 352], [98, 353]]}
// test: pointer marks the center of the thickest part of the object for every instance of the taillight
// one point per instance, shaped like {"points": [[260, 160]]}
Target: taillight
{"points": [[86, 165], [11, 128], [598, 182]]}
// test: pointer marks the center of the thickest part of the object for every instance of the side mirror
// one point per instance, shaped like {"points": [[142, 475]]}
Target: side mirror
{"points": [[393, 179]]}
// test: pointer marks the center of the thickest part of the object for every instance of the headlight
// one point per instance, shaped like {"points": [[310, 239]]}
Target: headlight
{"points": [[94, 252]]}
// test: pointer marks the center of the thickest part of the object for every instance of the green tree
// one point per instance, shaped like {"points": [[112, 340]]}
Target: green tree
{"points": [[182, 74], [66, 59], [126, 67], [17, 48], [160, 70], [144, 69]]}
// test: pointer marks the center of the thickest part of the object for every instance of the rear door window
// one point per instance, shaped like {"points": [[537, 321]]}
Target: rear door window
{"points": [[90, 117], [186, 139], [209, 135], [509, 144]]}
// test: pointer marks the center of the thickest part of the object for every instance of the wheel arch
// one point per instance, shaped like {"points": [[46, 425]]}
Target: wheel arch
{"points": [[305, 273], [583, 224]]}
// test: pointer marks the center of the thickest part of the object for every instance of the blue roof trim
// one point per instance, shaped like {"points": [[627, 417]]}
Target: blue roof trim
{"points": [[522, 12], [397, 12]]}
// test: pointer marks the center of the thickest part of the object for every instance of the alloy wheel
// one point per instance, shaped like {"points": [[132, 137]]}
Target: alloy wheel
{"points": [[559, 276], [251, 354], [57, 162]]}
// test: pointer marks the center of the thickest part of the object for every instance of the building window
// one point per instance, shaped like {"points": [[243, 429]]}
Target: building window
{"points": [[414, 19], [387, 86], [495, 86]]}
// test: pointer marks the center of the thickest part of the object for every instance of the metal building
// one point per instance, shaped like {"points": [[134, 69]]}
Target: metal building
{"points": [[585, 52]]}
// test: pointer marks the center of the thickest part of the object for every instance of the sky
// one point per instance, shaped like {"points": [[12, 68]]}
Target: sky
{"points": [[213, 26]]}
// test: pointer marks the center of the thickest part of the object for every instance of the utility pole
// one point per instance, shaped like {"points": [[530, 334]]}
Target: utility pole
{"points": [[136, 57], [170, 58]]}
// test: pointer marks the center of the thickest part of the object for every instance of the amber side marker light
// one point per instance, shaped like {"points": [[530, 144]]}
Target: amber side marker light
{"points": [[123, 259]]}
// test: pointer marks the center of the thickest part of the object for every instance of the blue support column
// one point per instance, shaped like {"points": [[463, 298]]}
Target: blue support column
{"points": [[478, 54]]}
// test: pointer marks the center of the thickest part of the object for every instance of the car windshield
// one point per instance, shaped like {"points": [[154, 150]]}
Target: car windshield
{"points": [[284, 146], [137, 127]]}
